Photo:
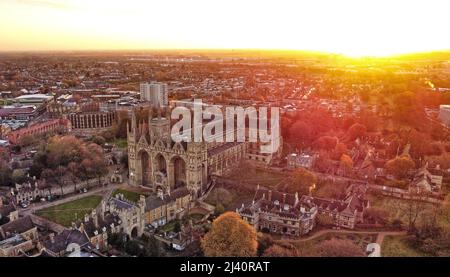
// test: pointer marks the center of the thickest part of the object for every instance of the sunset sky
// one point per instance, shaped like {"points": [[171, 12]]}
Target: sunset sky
{"points": [[351, 27]]}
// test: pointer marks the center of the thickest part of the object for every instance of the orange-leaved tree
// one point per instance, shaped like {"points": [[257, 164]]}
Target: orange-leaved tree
{"points": [[230, 236]]}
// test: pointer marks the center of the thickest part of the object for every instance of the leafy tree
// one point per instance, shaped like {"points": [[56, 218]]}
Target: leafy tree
{"points": [[400, 166], [325, 143], [357, 130], [279, 251], [99, 140], [264, 242], [346, 164], [301, 181], [230, 236], [18, 177]]}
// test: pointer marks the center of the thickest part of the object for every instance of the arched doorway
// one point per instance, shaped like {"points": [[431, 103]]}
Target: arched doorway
{"points": [[179, 172], [160, 163], [145, 168], [134, 232]]}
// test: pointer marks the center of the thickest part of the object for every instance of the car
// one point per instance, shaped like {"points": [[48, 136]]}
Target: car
{"points": [[24, 205], [84, 190], [43, 199]]}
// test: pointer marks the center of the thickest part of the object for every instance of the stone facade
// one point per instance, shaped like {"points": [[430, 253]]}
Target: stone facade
{"points": [[157, 162], [279, 213]]}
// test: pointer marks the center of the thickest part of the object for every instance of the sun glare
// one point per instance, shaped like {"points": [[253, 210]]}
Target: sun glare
{"points": [[350, 27]]}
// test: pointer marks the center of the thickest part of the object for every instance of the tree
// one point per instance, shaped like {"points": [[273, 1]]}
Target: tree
{"points": [[5, 174], [99, 140], [355, 131], [230, 236], [301, 181], [301, 133], [59, 172], [18, 177], [339, 150], [264, 242], [400, 166], [279, 251], [338, 248], [325, 143], [346, 164], [73, 171]]}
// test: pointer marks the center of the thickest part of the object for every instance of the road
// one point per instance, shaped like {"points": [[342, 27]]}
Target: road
{"points": [[102, 191]]}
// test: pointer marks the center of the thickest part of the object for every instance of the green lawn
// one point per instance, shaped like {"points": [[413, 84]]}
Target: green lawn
{"points": [[399, 246], [130, 195], [170, 226], [66, 213], [121, 143], [259, 176]]}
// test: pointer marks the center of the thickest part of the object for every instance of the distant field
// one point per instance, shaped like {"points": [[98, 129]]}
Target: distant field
{"points": [[398, 246], [69, 212]]}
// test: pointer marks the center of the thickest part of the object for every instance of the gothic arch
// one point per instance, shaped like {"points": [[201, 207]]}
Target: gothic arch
{"points": [[145, 167], [160, 163], [178, 171]]}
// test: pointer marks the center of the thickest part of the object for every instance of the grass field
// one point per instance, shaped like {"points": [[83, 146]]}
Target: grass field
{"points": [[130, 195], [398, 208], [399, 246], [362, 240], [66, 213], [259, 176], [121, 143]]}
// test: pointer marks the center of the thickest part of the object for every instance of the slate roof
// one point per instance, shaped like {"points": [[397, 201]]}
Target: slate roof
{"points": [[153, 202], [18, 226], [63, 239]]}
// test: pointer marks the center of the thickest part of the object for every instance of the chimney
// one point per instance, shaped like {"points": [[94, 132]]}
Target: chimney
{"points": [[52, 237], [95, 218], [160, 194]]}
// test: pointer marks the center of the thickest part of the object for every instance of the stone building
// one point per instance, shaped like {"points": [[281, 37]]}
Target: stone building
{"points": [[346, 211], [41, 128], [279, 213], [156, 161], [91, 122], [160, 208], [132, 219], [18, 236], [30, 190]]}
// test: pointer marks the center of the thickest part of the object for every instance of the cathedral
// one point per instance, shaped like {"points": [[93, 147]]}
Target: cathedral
{"points": [[157, 162]]}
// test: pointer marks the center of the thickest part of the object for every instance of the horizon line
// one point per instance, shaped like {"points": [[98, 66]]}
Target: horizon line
{"points": [[317, 52]]}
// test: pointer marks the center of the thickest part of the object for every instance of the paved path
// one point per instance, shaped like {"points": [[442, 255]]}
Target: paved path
{"points": [[94, 191], [380, 237]]}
